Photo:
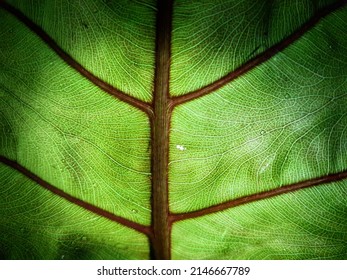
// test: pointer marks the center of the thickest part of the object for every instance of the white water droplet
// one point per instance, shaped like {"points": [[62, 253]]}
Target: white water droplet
{"points": [[180, 147], [134, 211]]}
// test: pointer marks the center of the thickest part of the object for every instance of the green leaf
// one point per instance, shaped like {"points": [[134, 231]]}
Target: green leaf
{"points": [[173, 129]]}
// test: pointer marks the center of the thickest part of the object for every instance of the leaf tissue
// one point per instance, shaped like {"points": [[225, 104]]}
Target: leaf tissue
{"points": [[173, 129]]}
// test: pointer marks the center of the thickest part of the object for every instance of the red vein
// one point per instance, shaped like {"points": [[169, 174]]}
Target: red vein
{"points": [[145, 107], [160, 134], [260, 58], [260, 196], [87, 206]]}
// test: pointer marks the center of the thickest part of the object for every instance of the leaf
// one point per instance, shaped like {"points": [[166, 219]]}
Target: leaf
{"points": [[173, 129]]}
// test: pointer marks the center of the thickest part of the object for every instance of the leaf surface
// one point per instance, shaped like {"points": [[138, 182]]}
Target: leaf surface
{"points": [[173, 129]]}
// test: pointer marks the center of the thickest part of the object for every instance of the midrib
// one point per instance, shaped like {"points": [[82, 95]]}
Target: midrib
{"points": [[160, 124]]}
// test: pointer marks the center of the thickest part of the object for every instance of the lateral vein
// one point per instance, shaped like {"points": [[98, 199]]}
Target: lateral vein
{"points": [[260, 58], [334, 177], [76, 201], [143, 106]]}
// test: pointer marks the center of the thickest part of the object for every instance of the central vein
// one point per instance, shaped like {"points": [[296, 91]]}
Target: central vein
{"points": [[160, 247]]}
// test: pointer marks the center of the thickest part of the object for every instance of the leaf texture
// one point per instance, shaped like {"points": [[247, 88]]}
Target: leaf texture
{"points": [[173, 129]]}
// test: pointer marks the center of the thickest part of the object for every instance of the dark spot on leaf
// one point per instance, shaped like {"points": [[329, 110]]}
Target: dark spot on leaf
{"points": [[84, 25]]}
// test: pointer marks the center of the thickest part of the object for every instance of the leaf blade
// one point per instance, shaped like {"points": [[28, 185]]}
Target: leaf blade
{"points": [[280, 124], [69, 132], [30, 230], [291, 226], [90, 31]]}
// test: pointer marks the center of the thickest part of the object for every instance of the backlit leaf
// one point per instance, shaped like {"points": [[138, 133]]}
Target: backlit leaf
{"points": [[173, 129]]}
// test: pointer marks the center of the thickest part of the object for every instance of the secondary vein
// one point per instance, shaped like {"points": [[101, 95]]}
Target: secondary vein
{"points": [[334, 177], [143, 106], [260, 58], [87, 206]]}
